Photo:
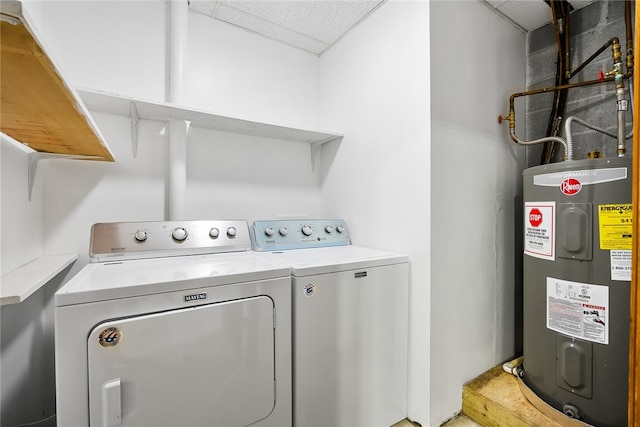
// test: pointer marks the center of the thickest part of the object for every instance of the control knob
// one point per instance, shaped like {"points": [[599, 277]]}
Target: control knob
{"points": [[268, 231], [214, 233], [340, 228], [231, 232], [179, 233], [283, 231], [328, 229], [307, 230], [141, 235]]}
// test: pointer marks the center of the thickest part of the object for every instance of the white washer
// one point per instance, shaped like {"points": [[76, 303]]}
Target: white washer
{"points": [[174, 324], [350, 324]]}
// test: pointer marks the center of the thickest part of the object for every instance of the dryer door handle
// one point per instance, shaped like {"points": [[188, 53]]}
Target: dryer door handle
{"points": [[111, 403]]}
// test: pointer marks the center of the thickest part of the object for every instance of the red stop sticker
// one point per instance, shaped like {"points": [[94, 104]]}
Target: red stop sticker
{"points": [[535, 217]]}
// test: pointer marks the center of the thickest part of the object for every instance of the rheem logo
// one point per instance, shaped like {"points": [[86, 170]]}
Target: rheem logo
{"points": [[570, 186]]}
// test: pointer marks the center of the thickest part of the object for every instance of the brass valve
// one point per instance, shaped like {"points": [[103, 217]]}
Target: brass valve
{"points": [[510, 117], [617, 53]]}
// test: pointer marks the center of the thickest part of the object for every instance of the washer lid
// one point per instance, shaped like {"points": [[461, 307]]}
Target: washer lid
{"points": [[307, 262], [124, 279]]}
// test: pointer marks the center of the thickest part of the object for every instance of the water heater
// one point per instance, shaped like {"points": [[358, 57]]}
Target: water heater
{"points": [[576, 288]]}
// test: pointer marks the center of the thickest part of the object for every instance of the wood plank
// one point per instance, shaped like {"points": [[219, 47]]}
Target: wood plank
{"points": [[494, 399], [37, 108], [634, 332]]}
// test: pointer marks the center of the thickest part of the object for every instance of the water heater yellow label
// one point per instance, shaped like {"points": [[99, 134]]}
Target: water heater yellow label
{"points": [[615, 226]]}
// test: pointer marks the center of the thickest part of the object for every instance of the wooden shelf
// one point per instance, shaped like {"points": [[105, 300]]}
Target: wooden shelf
{"points": [[19, 284], [37, 107]]}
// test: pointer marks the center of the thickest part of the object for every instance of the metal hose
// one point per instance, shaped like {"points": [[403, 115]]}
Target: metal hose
{"points": [[568, 155]]}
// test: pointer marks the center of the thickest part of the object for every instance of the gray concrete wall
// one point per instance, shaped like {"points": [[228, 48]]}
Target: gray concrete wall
{"points": [[591, 27]]}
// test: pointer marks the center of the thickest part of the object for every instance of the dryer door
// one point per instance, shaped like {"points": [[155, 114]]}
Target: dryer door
{"points": [[210, 365]]}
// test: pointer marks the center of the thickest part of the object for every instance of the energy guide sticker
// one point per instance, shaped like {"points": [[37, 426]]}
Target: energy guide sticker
{"points": [[579, 310], [539, 229], [615, 226]]}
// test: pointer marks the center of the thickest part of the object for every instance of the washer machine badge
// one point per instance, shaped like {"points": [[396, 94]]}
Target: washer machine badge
{"points": [[110, 337], [309, 289]]}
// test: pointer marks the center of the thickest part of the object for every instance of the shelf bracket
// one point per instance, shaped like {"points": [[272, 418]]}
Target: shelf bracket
{"points": [[315, 146], [135, 118], [35, 157]]}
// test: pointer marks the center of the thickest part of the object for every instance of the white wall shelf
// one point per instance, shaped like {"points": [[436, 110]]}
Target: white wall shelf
{"points": [[138, 109], [19, 284]]}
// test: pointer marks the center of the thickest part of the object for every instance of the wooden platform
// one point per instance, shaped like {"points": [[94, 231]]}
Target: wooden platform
{"points": [[495, 399]]}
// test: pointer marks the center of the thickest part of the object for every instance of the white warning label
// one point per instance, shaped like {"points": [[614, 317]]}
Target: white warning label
{"points": [[621, 265], [539, 229], [579, 310]]}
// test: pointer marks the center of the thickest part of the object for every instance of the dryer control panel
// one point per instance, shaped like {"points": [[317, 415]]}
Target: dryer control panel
{"points": [[139, 240], [278, 235]]}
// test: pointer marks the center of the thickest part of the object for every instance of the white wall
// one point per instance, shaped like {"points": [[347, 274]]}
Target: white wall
{"points": [[477, 63], [22, 232], [26, 366], [375, 88], [243, 75], [116, 46]]}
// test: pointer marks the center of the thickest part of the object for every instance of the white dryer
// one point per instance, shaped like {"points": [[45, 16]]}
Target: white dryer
{"points": [[350, 324], [174, 324]]}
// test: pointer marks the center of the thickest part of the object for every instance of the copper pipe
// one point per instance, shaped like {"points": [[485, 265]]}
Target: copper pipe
{"points": [[594, 56], [567, 39], [564, 74], [559, 97], [566, 86], [511, 117], [560, 87], [556, 25]]}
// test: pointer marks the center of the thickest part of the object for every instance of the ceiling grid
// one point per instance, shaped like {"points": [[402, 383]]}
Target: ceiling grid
{"points": [[316, 25]]}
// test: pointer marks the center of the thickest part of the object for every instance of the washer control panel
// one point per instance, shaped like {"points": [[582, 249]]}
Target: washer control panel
{"points": [[278, 235], [138, 240]]}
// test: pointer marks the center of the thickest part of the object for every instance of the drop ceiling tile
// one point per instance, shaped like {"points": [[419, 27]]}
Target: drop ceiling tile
{"points": [[322, 20], [312, 25], [529, 14], [259, 25], [204, 7]]}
